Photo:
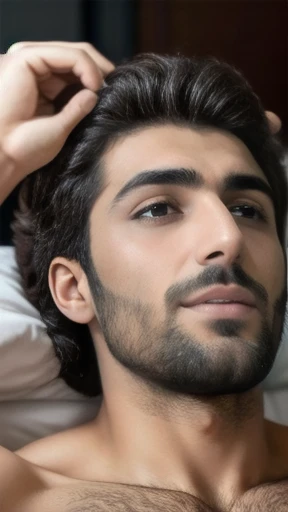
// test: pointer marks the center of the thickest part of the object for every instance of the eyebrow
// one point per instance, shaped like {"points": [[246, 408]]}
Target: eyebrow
{"points": [[190, 178]]}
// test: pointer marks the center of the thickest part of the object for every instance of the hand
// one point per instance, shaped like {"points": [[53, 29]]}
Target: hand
{"points": [[274, 122], [32, 75]]}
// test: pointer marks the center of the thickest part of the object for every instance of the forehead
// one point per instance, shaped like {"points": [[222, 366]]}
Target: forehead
{"points": [[211, 152]]}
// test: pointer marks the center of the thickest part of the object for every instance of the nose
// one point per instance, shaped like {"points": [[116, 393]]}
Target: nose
{"points": [[220, 238]]}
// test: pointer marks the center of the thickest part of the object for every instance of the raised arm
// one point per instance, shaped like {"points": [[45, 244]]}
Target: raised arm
{"points": [[32, 75]]}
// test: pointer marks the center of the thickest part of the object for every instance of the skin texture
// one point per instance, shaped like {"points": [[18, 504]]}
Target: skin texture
{"points": [[63, 494], [159, 432]]}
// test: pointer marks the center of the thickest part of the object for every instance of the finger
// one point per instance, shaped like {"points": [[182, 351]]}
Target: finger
{"points": [[46, 60], [105, 65], [44, 107], [274, 121], [76, 109], [53, 86], [47, 109]]}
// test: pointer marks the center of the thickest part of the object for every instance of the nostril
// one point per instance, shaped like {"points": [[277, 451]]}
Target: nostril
{"points": [[214, 254]]}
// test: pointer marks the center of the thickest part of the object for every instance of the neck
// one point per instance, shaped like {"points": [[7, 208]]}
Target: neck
{"points": [[194, 444]]}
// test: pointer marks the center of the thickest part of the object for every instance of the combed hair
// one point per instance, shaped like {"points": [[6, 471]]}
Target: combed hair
{"points": [[55, 201]]}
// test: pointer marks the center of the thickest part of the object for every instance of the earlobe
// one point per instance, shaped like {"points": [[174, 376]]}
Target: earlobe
{"points": [[68, 286]]}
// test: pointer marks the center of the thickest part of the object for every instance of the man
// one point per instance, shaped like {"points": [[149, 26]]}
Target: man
{"points": [[185, 313]]}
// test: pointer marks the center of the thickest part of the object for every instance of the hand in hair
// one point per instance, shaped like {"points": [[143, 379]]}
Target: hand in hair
{"points": [[34, 122], [46, 89], [274, 122]]}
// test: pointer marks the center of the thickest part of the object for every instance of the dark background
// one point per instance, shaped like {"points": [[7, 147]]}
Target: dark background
{"points": [[250, 34]]}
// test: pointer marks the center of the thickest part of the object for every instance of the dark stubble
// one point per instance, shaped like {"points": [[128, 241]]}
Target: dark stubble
{"points": [[166, 355]]}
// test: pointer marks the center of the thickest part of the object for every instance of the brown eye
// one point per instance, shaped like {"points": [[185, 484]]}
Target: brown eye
{"points": [[157, 210], [249, 211]]}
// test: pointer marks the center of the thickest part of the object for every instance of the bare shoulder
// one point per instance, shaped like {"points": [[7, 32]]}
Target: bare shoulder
{"points": [[64, 493], [57, 452], [18, 479], [32, 488]]}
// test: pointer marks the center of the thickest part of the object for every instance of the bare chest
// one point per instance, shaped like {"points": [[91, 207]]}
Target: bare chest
{"points": [[104, 497]]}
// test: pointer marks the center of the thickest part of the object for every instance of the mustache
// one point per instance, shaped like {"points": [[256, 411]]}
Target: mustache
{"points": [[211, 276]]}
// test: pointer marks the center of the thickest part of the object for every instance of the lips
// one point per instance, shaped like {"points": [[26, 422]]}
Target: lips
{"points": [[232, 293]]}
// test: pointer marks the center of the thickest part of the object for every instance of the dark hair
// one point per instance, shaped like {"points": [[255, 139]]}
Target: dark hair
{"points": [[55, 201]]}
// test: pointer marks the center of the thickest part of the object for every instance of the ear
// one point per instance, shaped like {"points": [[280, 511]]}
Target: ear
{"points": [[274, 122], [69, 288]]}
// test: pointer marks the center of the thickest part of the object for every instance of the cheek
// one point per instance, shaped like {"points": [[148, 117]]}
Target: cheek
{"points": [[132, 264]]}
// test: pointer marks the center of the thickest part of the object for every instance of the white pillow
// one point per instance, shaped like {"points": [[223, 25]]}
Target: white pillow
{"points": [[27, 359], [28, 364], [34, 402], [25, 421]]}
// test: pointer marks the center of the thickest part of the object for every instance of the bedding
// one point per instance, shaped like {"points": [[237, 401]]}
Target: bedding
{"points": [[34, 402]]}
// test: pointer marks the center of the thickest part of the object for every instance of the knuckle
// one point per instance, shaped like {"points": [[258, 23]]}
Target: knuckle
{"points": [[85, 56], [82, 53], [87, 46], [17, 55], [15, 47]]}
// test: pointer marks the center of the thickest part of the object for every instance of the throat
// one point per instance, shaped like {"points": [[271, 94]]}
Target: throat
{"points": [[197, 447]]}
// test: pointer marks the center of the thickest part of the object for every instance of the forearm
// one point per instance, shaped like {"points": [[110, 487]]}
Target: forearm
{"points": [[8, 177]]}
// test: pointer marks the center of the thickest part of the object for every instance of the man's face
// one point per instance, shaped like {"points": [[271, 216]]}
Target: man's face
{"points": [[148, 262]]}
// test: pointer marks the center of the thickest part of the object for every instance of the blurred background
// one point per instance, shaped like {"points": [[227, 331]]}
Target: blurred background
{"points": [[250, 34]]}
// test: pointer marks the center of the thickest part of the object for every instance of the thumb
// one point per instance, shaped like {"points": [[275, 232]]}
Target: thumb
{"points": [[274, 122], [76, 109]]}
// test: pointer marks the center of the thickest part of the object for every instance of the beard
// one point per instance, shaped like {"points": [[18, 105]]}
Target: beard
{"points": [[170, 357]]}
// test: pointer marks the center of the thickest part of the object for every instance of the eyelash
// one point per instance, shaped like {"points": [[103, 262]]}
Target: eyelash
{"points": [[260, 211]]}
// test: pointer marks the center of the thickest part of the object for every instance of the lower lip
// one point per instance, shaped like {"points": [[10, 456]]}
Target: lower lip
{"points": [[234, 310]]}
